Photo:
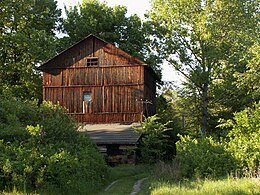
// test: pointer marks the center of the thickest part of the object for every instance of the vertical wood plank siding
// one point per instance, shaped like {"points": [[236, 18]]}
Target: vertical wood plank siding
{"points": [[117, 84]]}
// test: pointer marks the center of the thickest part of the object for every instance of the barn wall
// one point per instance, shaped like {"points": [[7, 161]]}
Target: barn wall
{"points": [[114, 99], [95, 76], [117, 83]]}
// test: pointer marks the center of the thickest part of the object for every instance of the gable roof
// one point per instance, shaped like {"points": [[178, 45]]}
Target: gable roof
{"points": [[48, 63]]}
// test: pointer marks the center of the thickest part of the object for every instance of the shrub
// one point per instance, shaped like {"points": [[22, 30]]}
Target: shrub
{"points": [[203, 157], [44, 152], [154, 139], [239, 153], [14, 117], [56, 126], [244, 139]]}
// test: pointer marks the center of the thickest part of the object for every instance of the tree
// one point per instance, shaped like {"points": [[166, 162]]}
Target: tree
{"points": [[27, 30], [250, 79], [111, 24], [200, 38]]}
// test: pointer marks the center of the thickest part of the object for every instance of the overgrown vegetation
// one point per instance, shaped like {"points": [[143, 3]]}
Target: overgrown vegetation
{"points": [[42, 152], [218, 102], [208, 157], [239, 153]]}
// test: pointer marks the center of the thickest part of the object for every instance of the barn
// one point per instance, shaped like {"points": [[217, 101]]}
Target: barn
{"points": [[99, 84]]}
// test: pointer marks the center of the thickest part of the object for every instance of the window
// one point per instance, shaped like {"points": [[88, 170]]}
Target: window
{"points": [[87, 102], [87, 96], [92, 61]]}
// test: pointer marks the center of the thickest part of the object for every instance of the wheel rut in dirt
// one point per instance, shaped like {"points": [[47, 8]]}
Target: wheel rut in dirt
{"points": [[137, 186]]}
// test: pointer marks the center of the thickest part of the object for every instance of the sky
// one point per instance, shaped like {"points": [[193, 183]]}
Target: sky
{"points": [[138, 7]]}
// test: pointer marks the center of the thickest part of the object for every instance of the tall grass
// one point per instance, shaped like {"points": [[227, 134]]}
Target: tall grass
{"points": [[167, 179], [229, 186]]}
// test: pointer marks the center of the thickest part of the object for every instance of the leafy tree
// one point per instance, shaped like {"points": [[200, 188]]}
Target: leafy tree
{"points": [[111, 24], [202, 38], [27, 30], [250, 79]]}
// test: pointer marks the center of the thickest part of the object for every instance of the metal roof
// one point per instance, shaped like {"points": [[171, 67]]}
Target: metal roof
{"points": [[112, 133]]}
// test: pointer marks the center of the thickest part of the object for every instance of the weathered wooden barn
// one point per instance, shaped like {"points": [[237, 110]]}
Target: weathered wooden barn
{"points": [[99, 83]]}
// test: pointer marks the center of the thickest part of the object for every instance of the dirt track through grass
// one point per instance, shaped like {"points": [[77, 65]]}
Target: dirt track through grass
{"points": [[126, 180], [127, 185], [137, 186]]}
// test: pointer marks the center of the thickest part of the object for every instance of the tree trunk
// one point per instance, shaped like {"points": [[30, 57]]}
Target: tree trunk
{"points": [[205, 103]]}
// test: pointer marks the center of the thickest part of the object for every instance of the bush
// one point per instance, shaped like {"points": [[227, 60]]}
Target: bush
{"points": [[203, 157], [239, 153], [43, 152], [14, 117], [244, 140], [154, 139]]}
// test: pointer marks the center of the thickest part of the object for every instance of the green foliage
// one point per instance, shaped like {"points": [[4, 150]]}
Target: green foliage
{"points": [[42, 151], [207, 42], [14, 117], [244, 139], [166, 108], [26, 39], [203, 157], [55, 125], [249, 80], [168, 113], [188, 105], [34, 131], [154, 139], [239, 153]]}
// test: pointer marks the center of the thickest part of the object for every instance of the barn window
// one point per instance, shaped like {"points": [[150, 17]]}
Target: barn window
{"points": [[87, 96], [92, 61], [87, 101]]}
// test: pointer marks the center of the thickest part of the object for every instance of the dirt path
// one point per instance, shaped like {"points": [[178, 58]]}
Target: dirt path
{"points": [[110, 185], [137, 186]]}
